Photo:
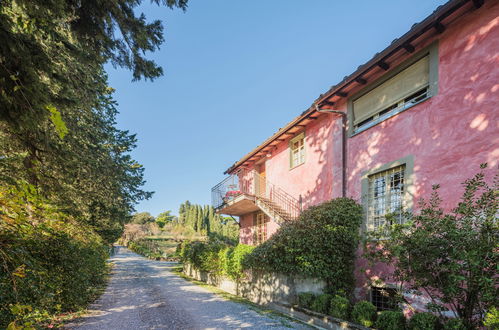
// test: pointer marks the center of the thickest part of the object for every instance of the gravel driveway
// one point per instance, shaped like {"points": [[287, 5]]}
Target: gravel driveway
{"points": [[145, 294]]}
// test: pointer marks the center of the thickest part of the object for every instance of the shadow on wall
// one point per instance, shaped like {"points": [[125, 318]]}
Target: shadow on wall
{"points": [[450, 134]]}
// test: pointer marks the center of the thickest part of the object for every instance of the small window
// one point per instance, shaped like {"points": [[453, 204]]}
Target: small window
{"points": [[260, 228], [385, 196], [297, 150], [384, 298]]}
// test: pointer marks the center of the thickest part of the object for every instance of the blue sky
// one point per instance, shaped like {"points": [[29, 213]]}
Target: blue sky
{"points": [[235, 72]]}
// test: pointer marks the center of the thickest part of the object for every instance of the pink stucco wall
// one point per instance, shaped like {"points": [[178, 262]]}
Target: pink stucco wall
{"points": [[448, 135]]}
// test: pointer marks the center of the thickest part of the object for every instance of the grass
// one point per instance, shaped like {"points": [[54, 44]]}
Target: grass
{"points": [[283, 318]]}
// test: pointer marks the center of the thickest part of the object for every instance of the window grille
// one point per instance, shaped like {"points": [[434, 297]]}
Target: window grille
{"points": [[384, 298], [385, 196]]}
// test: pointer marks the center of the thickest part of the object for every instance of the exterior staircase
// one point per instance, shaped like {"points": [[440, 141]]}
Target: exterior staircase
{"points": [[274, 201], [247, 191], [273, 210]]}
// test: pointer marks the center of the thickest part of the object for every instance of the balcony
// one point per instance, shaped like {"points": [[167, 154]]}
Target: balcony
{"points": [[247, 191]]}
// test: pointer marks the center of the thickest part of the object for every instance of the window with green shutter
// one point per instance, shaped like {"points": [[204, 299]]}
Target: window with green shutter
{"points": [[412, 82]]}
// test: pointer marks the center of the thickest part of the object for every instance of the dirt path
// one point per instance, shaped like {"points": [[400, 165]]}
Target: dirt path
{"points": [[145, 294]]}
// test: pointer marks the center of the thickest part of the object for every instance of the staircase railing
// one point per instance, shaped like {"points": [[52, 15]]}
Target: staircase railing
{"points": [[277, 198], [231, 187], [253, 184]]}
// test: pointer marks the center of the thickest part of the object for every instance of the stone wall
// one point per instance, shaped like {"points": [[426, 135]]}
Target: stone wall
{"points": [[259, 287]]}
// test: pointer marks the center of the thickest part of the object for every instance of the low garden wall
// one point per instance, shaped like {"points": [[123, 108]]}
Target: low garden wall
{"points": [[260, 287]]}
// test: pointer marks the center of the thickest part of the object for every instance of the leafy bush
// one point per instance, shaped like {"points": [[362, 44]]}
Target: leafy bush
{"points": [[224, 257], [390, 320], [450, 254], [492, 319], [236, 259], [364, 313], [306, 299], [321, 303], [339, 307], [216, 257], [320, 244], [423, 321], [47, 268], [454, 324]]}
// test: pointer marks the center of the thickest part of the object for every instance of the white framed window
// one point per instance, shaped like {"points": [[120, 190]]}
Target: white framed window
{"points": [[385, 195], [260, 228], [297, 150], [411, 83]]}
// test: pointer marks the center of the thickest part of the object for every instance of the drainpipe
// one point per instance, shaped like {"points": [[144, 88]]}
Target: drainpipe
{"points": [[344, 145]]}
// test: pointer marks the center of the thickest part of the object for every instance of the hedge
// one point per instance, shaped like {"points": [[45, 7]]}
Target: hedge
{"points": [[423, 321], [364, 313], [48, 268], [390, 320], [216, 257], [320, 244]]}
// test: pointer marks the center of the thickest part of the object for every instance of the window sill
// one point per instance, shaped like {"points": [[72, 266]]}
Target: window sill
{"points": [[386, 116], [292, 168]]}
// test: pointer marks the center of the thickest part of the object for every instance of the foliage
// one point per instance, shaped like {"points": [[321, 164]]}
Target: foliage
{"points": [[224, 257], [163, 218], [451, 257], [364, 313], [390, 320], [51, 51], [142, 218], [216, 257], [321, 303], [67, 181], [339, 307], [324, 237], [492, 319], [48, 265], [423, 321], [306, 299], [236, 259], [204, 220], [454, 324]]}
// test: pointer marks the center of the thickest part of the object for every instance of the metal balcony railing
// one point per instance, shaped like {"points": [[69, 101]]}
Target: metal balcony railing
{"points": [[274, 198]]}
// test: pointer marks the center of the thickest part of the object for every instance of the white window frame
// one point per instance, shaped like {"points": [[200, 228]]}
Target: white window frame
{"points": [[297, 154]]}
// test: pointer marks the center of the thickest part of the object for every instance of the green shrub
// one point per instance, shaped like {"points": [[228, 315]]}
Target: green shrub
{"points": [[423, 321], [364, 313], [321, 303], [236, 258], [492, 319], [306, 299], [216, 257], [338, 307], [390, 320], [454, 324], [324, 237], [47, 268], [224, 258]]}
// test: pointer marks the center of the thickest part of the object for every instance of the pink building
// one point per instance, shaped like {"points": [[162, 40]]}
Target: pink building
{"points": [[422, 111]]}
